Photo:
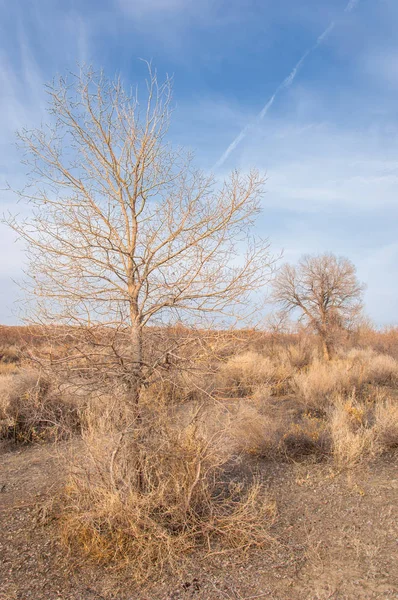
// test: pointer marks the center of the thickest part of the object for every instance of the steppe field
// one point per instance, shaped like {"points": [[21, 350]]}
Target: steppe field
{"points": [[254, 468]]}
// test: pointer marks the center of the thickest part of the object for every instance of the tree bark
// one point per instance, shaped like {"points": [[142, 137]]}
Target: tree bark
{"points": [[136, 357], [327, 348], [135, 387]]}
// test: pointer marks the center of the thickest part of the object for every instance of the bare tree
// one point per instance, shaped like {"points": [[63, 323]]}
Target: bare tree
{"points": [[125, 233], [324, 289]]}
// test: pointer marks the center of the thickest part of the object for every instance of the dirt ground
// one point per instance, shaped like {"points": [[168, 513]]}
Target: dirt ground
{"points": [[335, 537]]}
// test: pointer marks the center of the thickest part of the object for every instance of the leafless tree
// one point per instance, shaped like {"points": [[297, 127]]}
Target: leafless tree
{"points": [[324, 289], [125, 233]]}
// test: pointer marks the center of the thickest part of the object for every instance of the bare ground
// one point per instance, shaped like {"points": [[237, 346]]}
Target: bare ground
{"points": [[335, 537]]}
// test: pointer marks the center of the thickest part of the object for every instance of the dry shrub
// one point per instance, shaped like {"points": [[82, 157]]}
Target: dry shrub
{"points": [[308, 436], [8, 368], [178, 386], [353, 436], [353, 429], [255, 433], [383, 370], [319, 384], [149, 492], [376, 368], [280, 436], [260, 396], [363, 429], [9, 355], [242, 374], [322, 381], [384, 341], [298, 355], [30, 410], [386, 424]]}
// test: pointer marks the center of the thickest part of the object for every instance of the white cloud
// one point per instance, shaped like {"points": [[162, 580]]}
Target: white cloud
{"points": [[382, 65], [379, 268], [21, 105], [331, 188], [311, 166]]}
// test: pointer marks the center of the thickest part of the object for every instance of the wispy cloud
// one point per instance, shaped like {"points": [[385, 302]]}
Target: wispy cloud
{"points": [[140, 8], [319, 166], [382, 65], [351, 5], [286, 83], [23, 103], [332, 189], [330, 151]]}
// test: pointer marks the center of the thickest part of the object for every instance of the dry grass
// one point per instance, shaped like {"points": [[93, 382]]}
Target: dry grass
{"points": [[333, 396], [376, 368], [149, 492], [386, 424], [8, 369], [260, 433], [363, 428], [298, 356], [255, 433], [322, 381], [308, 436], [179, 386], [345, 412], [150, 489], [9, 354], [31, 411], [353, 438], [242, 374]]}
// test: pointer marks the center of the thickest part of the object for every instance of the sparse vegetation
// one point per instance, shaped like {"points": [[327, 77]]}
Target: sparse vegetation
{"points": [[151, 492], [248, 373], [149, 489], [173, 416]]}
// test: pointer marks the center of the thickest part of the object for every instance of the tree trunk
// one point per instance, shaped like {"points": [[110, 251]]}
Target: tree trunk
{"points": [[327, 348], [136, 357], [135, 391]]}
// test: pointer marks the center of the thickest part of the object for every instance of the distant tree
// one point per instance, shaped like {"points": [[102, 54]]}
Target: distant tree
{"points": [[325, 291], [124, 232]]}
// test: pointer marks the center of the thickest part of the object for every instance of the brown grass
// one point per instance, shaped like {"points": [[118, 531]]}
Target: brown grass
{"points": [[9, 355], [363, 428], [243, 374], [8, 369], [255, 433], [386, 424], [31, 410], [298, 355], [279, 437], [353, 438], [307, 437], [349, 407], [376, 368], [321, 381]]}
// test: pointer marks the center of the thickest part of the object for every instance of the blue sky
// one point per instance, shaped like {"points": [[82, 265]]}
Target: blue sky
{"points": [[328, 142]]}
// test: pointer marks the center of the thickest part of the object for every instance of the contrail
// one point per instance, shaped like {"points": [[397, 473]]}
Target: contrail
{"points": [[326, 32], [286, 83]]}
